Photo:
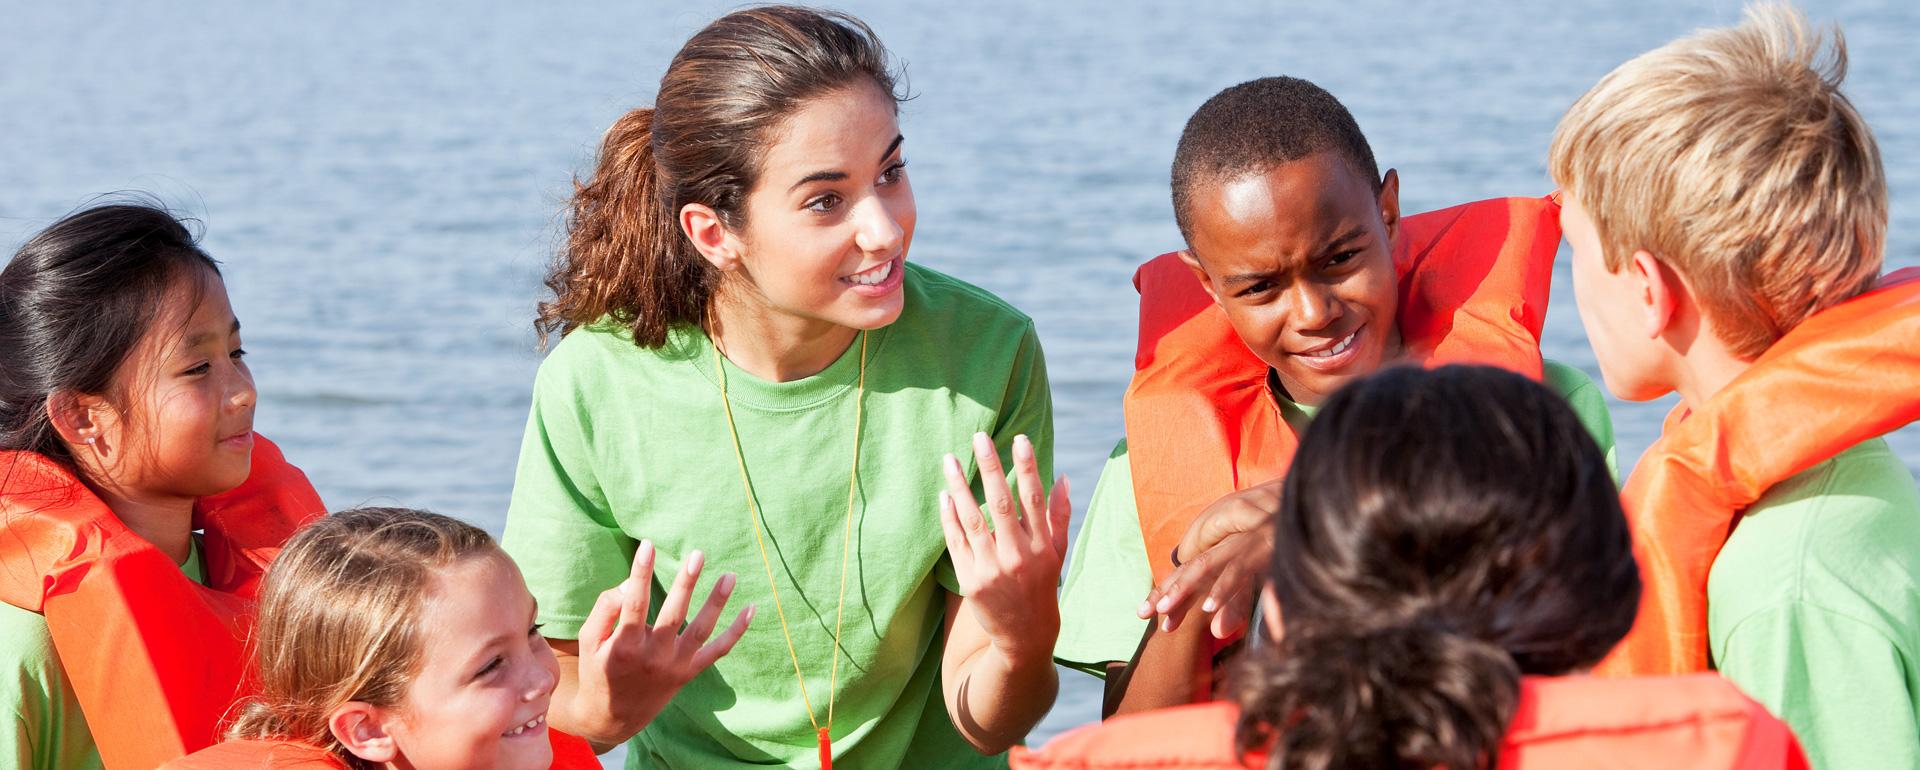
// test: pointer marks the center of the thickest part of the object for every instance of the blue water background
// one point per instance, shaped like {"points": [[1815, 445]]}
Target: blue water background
{"points": [[382, 181]]}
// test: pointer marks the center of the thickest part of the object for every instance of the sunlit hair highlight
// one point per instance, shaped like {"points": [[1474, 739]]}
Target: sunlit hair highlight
{"points": [[1732, 156]]}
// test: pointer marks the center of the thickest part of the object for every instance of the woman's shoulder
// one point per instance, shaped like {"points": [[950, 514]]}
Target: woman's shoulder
{"points": [[604, 352], [937, 299]]}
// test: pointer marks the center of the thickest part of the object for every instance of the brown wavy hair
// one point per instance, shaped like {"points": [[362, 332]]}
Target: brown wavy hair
{"points": [[721, 101], [1440, 534], [340, 619]]}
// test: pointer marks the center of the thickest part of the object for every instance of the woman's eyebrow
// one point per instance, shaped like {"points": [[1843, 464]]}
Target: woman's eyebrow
{"points": [[835, 176]]}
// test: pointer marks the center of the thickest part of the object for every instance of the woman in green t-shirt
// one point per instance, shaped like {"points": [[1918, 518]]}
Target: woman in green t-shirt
{"points": [[751, 376]]}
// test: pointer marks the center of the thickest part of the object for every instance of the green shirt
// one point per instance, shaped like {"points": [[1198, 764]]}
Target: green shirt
{"points": [[1813, 608], [626, 443], [1108, 574], [44, 728]]}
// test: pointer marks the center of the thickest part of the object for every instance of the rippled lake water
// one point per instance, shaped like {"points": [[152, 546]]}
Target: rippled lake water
{"points": [[382, 181]]}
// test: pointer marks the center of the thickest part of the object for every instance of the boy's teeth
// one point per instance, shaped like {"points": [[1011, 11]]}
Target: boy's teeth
{"points": [[873, 276], [1338, 347]]}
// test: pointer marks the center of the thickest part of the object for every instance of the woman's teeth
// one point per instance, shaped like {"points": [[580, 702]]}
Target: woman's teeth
{"points": [[1337, 349], [531, 724], [874, 276]]}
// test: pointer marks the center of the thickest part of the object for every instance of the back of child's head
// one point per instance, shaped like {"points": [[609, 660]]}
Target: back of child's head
{"points": [[338, 618], [1732, 156], [1440, 534], [1257, 125], [74, 303]]}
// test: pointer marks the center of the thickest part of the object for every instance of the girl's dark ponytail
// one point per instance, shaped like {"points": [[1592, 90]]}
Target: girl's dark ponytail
{"points": [[1441, 534], [1407, 696]]}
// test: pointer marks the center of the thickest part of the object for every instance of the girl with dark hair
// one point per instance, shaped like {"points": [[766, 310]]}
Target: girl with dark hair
{"points": [[750, 368], [1450, 558], [126, 424]]}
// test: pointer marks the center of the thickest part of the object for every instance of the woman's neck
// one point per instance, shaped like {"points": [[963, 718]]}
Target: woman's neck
{"points": [[164, 521], [771, 345]]}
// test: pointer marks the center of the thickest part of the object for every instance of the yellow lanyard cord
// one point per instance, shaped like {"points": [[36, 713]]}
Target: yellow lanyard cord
{"points": [[846, 547]]}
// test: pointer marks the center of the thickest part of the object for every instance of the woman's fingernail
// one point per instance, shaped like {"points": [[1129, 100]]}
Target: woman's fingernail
{"points": [[1145, 611], [694, 561], [725, 583], [1208, 605], [1166, 624], [1166, 604]]}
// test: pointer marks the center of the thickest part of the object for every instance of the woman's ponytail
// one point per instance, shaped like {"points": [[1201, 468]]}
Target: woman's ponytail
{"points": [[1409, 696], [625, 258]]}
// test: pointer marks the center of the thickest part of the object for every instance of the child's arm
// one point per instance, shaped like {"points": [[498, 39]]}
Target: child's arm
{"points": [[622, 672], [997, 666], [1172, 668]]}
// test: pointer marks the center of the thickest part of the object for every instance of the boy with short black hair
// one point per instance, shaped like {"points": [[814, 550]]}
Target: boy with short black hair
{"points": [[1299, 276]]}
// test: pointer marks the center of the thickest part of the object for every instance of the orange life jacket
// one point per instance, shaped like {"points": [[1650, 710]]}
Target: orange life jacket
{"points": [[155, 659], [569, 753], [1696, 722], [1845, 375], [1201, 422]]}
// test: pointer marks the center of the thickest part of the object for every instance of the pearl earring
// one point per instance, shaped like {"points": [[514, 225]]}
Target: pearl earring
{"points": [[91, 439]]}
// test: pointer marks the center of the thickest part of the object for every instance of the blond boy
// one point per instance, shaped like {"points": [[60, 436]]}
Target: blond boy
{"points": [[1720, 190]]}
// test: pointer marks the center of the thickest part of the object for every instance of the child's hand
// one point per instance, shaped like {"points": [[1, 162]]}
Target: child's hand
{"points": [[1222, 557], [1011, 573], [630, 670]]}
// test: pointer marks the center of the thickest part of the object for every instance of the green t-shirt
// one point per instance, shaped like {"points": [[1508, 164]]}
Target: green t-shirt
{"points": [[1108, 574], [626, 443], [1813, 608], [45, 729]]}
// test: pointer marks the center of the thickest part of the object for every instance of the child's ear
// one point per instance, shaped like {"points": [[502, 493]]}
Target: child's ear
{"points": [[1390, 204], [1199, 273], [1659, 292], [362, 729], [79, 419], [710, 235], [1270, 612]]}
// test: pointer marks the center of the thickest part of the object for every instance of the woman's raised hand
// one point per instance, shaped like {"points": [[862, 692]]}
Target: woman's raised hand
{"points": [[630, 669], [1010, 572]]}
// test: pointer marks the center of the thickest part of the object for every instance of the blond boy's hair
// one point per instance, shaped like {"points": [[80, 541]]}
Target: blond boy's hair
{"points": [[1732, 157]]}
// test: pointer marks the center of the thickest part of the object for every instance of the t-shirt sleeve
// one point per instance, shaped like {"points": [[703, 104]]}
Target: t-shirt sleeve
{"points": [[40, 721], [1108, 575], [560, 529], [1842, 685], [1026, 409], [17, 703], [1589, 405]]}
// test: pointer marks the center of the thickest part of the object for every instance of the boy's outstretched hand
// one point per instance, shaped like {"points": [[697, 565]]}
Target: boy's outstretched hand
{"points": [[1222, 559], [1010, 573], [629, 669]]}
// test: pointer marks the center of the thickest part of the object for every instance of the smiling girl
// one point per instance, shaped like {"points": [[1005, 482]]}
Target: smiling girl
{"points": [[750, 366], [126, 424], [392, 637]]}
